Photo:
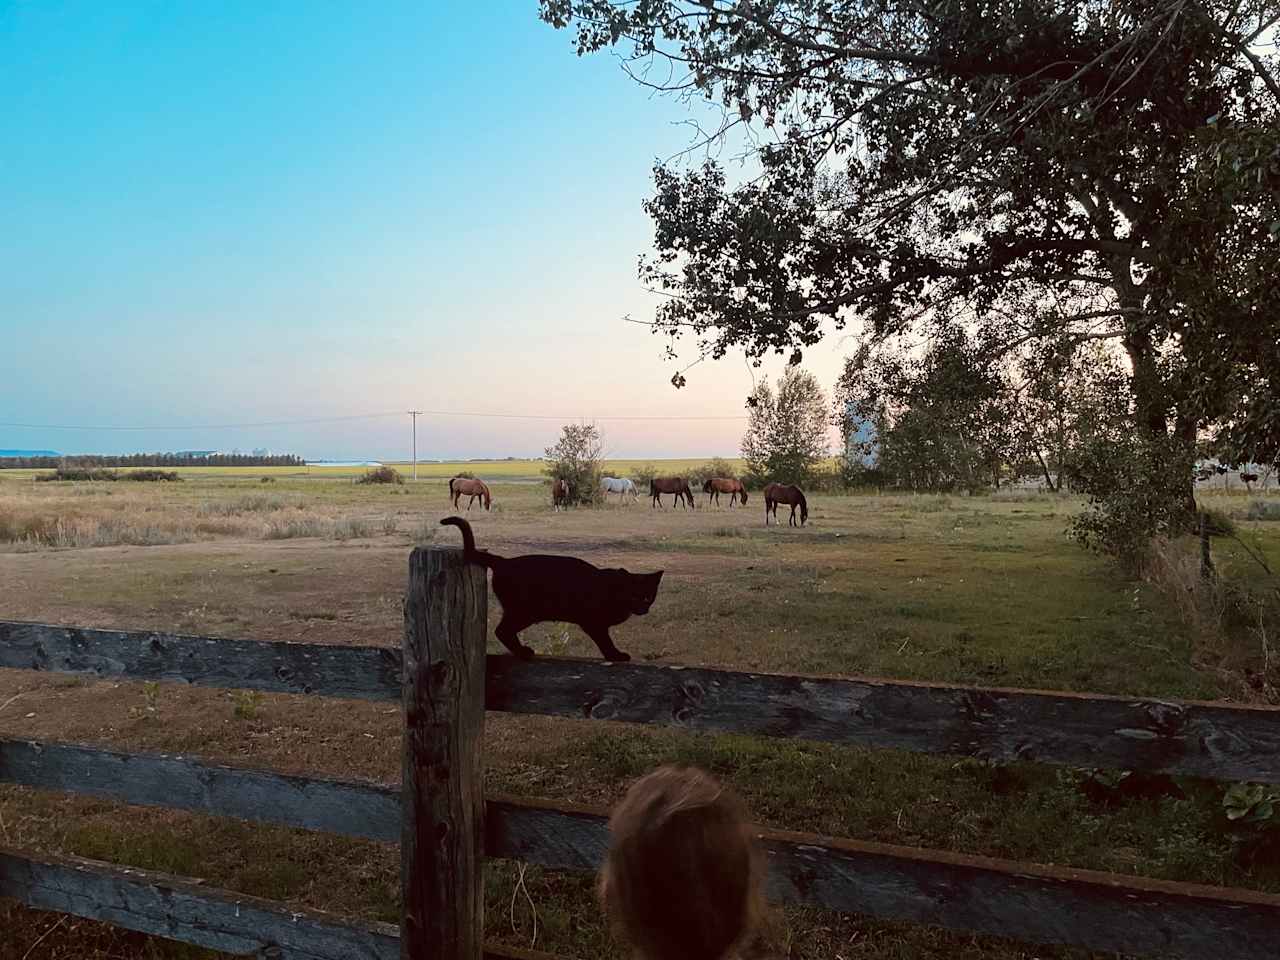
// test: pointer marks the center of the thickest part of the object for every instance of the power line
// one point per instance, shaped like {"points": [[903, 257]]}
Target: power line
{"points": [[367, 416]]}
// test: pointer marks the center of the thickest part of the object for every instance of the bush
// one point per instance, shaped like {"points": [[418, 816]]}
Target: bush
{"points": [[576, 458], [80, 473], [1263, 510], [1138, 489], [641, 476], [717, 467], [153, 476], [382, 475]]}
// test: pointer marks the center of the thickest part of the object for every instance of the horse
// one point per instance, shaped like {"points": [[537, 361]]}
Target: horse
{"points": [[561, 493], [718, 485], [621, 487], [677, 485], [776, 493], [472, 488]]}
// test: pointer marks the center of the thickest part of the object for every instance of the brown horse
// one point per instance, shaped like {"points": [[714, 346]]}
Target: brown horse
{"points": [[561, 493], [459, 486], [718, 485], [677, 485], [776, 493]]}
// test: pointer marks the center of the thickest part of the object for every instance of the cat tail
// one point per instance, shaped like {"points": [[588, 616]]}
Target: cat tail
{"points": [[469, 552]]}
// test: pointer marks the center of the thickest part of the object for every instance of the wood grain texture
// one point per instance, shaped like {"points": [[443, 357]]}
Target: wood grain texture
{"points": [[442, 776], [362, 673], [350, 808], [179, 910], [1039, 904], [175, 908], [1189, 738]]}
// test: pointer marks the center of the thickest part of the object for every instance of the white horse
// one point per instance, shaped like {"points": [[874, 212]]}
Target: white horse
{"points": [[619, 486]]}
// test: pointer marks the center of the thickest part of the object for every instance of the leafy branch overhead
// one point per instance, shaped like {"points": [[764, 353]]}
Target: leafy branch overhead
{"points": [[1065, 170]]}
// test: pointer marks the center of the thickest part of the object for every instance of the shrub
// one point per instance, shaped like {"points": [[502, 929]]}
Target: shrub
{"points": [[79, 473], [641, 475], [382, 475], [717, 467], [1263, 510], [1138, 489], [267, 480], [153, 476], [576, 458]]}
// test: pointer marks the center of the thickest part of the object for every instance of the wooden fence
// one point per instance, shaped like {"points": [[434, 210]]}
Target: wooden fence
{"points": [[445, 825]]}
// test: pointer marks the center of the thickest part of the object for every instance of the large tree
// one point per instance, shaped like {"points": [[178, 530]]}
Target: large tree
{"points": [[787, 430], [1030, 170]]}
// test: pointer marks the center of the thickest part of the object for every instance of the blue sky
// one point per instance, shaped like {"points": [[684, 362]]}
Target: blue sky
{"points": [[244, 212]]}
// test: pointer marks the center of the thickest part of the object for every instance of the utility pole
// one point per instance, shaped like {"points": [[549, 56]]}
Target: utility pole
{"points": [[415, 414]]}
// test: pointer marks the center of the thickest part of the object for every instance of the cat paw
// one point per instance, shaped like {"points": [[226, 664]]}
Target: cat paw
{"points": [[618, 657]]}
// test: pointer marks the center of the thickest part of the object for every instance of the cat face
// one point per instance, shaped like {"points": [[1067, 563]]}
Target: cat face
{"points": [[643, 588]]}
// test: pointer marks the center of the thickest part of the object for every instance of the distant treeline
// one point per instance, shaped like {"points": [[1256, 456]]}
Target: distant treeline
{"points": [[152, 460]]}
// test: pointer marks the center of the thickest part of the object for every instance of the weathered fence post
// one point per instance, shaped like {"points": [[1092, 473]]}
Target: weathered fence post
{"points": [[443, 806]]}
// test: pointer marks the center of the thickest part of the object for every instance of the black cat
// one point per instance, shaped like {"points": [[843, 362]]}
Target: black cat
{"points": [[535, 589]]}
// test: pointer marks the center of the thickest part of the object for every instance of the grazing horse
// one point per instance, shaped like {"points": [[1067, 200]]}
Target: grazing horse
{"points": [[459, 486], [677, 485], [1249, 478], [718, 485], [776, 493], [561, 493], [621, 487]]}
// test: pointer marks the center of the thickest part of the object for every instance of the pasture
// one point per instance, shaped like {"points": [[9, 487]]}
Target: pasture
{"points": [[982, 590]]}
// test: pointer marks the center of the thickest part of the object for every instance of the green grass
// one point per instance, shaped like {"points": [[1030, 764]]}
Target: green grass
{"points": [[961, 589]]}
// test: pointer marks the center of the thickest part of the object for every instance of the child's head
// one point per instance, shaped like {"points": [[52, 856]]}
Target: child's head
{"points": [[682, 876]]}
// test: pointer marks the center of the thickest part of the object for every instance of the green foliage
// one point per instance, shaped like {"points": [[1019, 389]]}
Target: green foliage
{"points": [[382, 475], [153, 476], [786, 432], [641, 474], [576, 458], [959, 174], [1263, 510], [1137, 489], [246, 703], [716, 467], [1252, 804], [78, 474]]}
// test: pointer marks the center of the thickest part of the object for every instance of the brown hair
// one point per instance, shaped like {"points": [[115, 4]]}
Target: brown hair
{"points": [[682, 876]]}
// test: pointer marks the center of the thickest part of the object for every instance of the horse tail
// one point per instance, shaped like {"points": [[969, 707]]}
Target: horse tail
{"points": [[469, 552], [451, 479], [742, 492], [804, 505]]}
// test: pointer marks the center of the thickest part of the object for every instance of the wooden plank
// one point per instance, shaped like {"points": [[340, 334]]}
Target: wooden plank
{"points": [[1189, 738], [179, 910], [1038, 904], [442, 778], [349, 808], [361, 673], [176, 909]]}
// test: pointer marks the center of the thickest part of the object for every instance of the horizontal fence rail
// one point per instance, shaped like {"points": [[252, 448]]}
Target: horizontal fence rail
{"points": [[1186, 738], [176, 908], [1042, 904], [354, 673]]}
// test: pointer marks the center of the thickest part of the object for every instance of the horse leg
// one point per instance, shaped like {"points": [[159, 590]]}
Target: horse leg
{"points": [[792, 521], [600, 634], [508, 631]]}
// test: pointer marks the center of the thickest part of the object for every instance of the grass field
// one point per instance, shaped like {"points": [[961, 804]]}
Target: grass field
{"points": [[968, 589]]}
